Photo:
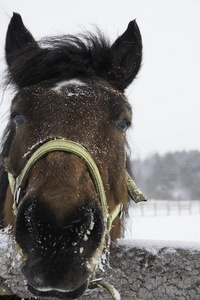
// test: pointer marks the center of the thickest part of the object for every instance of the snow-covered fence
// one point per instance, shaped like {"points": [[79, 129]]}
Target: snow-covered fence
{"points": [[139, 271], [166, 207], [152, 273]]}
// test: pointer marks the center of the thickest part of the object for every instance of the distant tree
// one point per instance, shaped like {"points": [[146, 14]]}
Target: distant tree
{"points": [[172, 176]]}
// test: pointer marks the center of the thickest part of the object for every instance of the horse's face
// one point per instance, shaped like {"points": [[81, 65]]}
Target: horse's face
{"points": [[59, 227]]}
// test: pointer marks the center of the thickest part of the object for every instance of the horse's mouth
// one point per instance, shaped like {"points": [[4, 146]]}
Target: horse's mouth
{"points": [[58, 293]]}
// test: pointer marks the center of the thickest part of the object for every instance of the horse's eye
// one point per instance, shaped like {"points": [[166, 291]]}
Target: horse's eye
{"points": [[18, 119], [123, 125]]}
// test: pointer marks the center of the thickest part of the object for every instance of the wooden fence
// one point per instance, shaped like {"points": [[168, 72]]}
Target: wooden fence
{"points": [[166, 207]]}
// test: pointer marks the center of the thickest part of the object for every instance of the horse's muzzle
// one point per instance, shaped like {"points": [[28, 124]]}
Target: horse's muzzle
{"points": [[56, 252]]}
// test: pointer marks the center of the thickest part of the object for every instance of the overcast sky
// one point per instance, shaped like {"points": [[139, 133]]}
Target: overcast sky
{"points": [[166, 94]]}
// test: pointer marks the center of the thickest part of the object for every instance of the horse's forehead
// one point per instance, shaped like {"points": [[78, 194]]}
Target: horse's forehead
{"points": [[73, 93]]}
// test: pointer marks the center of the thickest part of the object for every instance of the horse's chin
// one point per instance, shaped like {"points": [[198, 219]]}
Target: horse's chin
{"points": [[58, 294]]}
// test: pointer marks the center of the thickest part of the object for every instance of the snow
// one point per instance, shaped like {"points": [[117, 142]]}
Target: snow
{"points": [[157, 224], [4, 238], [153, 246]]}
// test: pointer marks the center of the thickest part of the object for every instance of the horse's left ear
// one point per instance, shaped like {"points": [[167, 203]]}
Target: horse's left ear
{"points": [[126, 57]]}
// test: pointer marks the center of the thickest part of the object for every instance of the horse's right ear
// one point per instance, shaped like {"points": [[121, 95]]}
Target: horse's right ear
{"points": [[17, 37], [126, 57]]}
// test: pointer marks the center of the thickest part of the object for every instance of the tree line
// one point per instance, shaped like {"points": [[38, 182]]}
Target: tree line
{"points": [[174, 176]]}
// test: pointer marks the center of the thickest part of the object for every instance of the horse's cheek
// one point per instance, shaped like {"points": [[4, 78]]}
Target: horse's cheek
{"points": [[9, 218]]}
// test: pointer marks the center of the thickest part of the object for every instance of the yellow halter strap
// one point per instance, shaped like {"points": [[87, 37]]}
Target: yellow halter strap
{"points": [[18, 184]]}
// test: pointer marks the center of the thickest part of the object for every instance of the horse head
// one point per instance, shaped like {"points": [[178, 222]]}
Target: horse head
{"points": [[64, 151]]}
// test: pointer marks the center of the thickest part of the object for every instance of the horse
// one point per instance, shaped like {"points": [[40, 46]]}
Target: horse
{"points": [[64, 171]]}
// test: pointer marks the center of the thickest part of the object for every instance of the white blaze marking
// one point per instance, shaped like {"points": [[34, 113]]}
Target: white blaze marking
{"points": [[74, 82]]}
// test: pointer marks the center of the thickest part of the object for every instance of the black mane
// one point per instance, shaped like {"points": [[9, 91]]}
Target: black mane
{"points": [[61, 58]]}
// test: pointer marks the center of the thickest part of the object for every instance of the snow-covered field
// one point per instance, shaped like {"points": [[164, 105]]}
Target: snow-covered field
{"points": [[168, 223]]}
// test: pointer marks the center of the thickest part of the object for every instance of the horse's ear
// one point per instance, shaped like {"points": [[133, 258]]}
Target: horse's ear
{"points": [[17, 37], [126, 57]]}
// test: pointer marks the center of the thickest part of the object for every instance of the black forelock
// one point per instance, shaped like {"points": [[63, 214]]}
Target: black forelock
{"points": [[61, 58]]}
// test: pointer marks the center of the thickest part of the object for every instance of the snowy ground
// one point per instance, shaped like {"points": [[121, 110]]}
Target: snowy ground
{"points": [[164, 223]]}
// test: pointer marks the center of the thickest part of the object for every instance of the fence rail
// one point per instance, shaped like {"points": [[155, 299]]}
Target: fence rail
{"points": [[165, 207]]}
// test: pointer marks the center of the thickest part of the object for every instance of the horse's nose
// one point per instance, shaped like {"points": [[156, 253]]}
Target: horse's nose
{"points": [[40, 231]]}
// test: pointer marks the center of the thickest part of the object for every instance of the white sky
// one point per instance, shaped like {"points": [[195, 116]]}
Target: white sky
{"points": [[166, 95]]}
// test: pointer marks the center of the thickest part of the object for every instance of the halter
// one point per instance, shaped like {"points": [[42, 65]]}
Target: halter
{"points": [[17, 185]]}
